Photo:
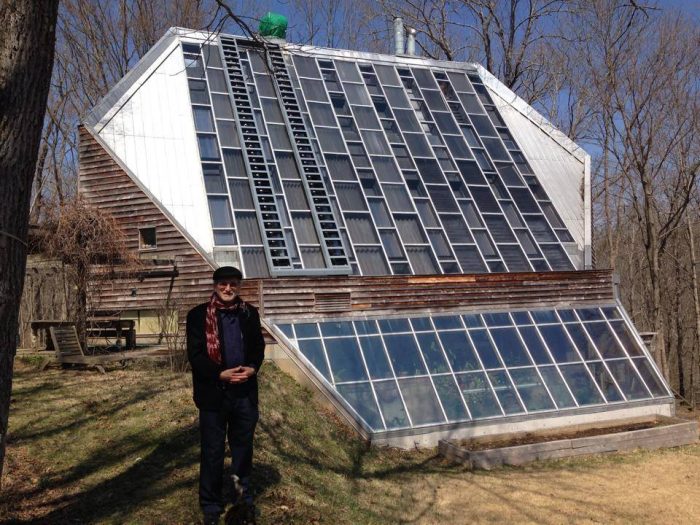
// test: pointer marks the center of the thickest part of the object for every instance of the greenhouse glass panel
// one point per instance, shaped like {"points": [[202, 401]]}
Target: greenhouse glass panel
{"points": [[440, 365]]}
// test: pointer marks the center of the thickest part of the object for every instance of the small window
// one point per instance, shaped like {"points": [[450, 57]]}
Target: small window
{"points": [[147, 238]]}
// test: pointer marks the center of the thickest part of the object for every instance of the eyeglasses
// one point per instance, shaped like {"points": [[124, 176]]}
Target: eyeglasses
{"points": [[225, 284]]}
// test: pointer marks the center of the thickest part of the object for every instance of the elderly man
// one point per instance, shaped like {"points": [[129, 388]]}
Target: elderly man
{"points": [[225, 348]]}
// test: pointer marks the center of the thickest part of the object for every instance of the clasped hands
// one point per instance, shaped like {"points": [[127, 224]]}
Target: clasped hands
{"points": [[239, 374]]}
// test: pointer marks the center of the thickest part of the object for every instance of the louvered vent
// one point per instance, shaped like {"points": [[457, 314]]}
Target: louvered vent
{"points": [[332, 302]]}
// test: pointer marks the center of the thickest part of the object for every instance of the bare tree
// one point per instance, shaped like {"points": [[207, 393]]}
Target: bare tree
{"points": [[91, 247], [508, 37], [26, 56]]}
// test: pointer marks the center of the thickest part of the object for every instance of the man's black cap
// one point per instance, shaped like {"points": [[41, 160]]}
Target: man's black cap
{"points": [[227, 272]]}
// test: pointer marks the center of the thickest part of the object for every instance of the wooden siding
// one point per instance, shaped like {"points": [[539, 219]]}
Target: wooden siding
{"points": [[297, 298], [105, 185]]}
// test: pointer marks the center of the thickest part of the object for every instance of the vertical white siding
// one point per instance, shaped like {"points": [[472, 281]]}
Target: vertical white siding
{"points": [[153, 135]]}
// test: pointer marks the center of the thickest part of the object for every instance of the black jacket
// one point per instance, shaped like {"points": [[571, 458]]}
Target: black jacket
{"points": [[208, 390]]}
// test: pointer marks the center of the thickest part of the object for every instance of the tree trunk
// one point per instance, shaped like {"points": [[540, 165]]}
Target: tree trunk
{"points": [[695, 360], [27, 43]]}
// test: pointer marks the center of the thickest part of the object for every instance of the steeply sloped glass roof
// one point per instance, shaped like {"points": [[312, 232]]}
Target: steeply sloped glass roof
{"points": [[316, 164], [407, 373]]}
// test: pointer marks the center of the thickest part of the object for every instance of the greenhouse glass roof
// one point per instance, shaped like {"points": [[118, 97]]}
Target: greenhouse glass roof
{"points": [[347, 166], [411, 372]]}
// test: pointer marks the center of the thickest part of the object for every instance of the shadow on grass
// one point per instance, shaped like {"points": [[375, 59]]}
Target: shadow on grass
{"points": [[169, 466]]}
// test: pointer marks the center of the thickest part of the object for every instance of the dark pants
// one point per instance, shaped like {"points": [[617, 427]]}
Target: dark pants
{"points": [[240, 415]]}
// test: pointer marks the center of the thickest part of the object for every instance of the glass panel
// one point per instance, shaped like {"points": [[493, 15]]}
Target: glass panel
{"points": [[357, 94], [222, 106], [388, 326], [626, 338], [459, 351], [233, 160], [335, 329], [531, 389], [220, 212], [392, 244], [366, 118], [350, 196], [397, 197], [304, 228], [582, 342], [559, 344], [421, 324], [306, 66], [432, 353], [331, 140], [391, 404], [497, 319], [447, 322], [604, 340], [422, 260], [203, 120], [407, 120], [348, 71], [478, 395], [628, 379], [534, 345], [248, 228], [387, 74], [511, 349], [404, 355], [605, 382], [469, 259], [451, 399], [313, 351], [366, 327], [208, 148], [410, 229], [651, 378], [505, 392], [375, 357], [321, 114], [581, 384], [198, 91], [421, 401], [372, 261], [214, 178], [485, 349], [344, 357], [557, 387], [439, 243], [360, 397]]}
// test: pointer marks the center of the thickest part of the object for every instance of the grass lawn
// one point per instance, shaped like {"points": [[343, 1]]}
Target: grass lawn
{"points": [[123, 448]]}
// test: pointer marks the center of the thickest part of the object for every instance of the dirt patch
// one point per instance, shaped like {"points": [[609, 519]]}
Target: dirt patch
{"points": [[532, 438]]}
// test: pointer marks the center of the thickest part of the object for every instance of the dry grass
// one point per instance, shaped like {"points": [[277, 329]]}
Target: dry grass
{"points": [[119, 448]]}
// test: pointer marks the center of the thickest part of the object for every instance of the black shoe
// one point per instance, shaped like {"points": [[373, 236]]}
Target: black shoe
{"points": [[240, 514], [211, 519]]}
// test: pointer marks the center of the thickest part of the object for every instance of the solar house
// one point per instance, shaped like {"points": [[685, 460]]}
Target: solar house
{"points": [[416, 237]]}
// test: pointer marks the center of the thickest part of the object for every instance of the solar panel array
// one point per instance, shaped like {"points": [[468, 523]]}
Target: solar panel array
{"points": [[316, 164], [403, 373]]}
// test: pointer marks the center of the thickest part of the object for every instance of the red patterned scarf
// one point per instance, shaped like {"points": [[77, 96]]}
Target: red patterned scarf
{"points": [[212, 323]]}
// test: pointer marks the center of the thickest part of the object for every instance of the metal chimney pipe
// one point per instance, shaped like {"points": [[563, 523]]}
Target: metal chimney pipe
{"points": [[411, 42], [398, 35]]}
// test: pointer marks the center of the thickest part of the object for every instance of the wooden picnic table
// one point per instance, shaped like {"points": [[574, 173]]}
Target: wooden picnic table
{"points": [[108, 326], [96, 327]]}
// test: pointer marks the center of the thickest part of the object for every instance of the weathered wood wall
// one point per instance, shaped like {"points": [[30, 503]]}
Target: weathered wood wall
{"points": [[43, 297]]}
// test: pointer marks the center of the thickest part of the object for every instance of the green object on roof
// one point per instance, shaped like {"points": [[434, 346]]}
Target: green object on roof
{"points": [[274, 25]]}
